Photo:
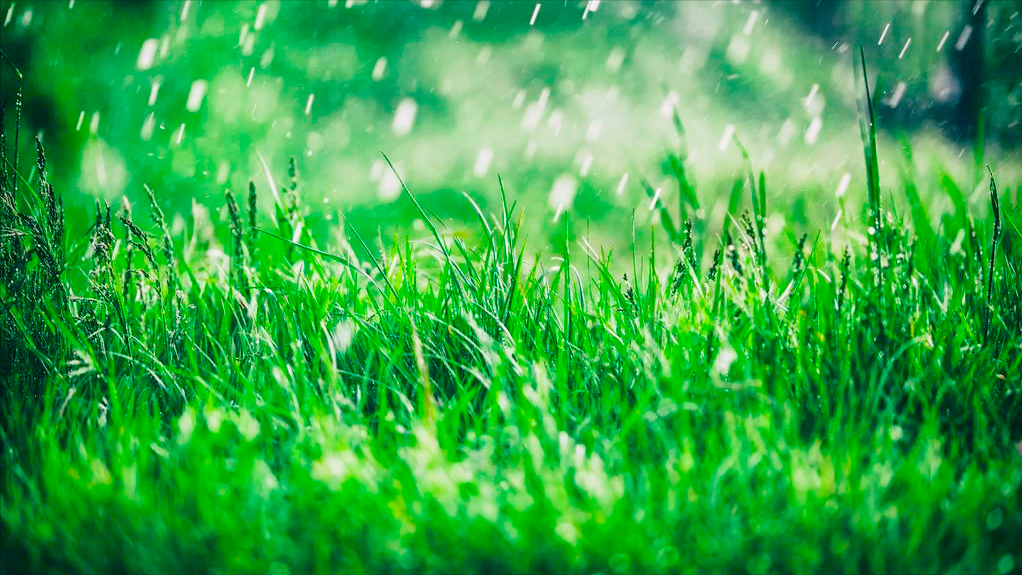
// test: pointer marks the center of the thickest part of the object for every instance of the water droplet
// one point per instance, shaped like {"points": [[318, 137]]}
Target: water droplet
{"points": [[842, 186], [148, 126], [308, 104], [725, 139], [904, 49], [535, 13], [196, 95], [621, 184], [482, 7], [883, 35], [483, 161], [147, 54], [813, 132], [963, 38], [562, 194], [404, 116], [380, 68]]}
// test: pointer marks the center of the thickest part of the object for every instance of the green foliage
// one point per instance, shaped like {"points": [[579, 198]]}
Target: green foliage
{"points": [[452, 405]]}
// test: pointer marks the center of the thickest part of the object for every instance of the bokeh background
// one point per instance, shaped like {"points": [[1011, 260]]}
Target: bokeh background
{"points": [[571, 102]]}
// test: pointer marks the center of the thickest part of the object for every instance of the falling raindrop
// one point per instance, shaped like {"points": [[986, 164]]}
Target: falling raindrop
{"points": [[196, 95], [147, 54], [562, 194], [842, 186], [621, 184], [725, 139], [379, 68], [482, 7], [883, 35], [535, 12], [904, 49], [483, 161], [308, 104], [963, 38], [404, 117]]}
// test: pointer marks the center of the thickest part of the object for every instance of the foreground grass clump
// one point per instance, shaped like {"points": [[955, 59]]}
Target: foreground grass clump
{"points": [[445, 407]]}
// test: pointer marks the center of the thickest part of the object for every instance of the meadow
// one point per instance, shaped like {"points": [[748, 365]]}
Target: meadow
{"points": [[256, 319], [447, 403]]}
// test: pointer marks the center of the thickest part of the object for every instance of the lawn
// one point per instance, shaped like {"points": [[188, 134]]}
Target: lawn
{"points": [[843, 396]]}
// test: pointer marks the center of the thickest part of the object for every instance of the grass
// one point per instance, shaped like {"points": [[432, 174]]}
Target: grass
{"points": [[451, 405]]}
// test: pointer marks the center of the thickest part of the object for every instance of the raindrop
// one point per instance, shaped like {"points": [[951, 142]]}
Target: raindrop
{"points": [[379, 68], [883, 35], [483, 161], [593, 132], [195, 95], [615, 60], [963, 38], [185, 7], [562, 195], [94, 124], [897, 94], [943, 39], [248, 81], [455, 29], [148, 127], [842, 186], [308, 104], [404, 116], [905, 48], [147, 54], [260, 20], [482, 7], [813, 133], [725, 139], [154, 90], [180, 135], [535, 12], [587, 164], [751, 22], [81, 120], [621, 184]]}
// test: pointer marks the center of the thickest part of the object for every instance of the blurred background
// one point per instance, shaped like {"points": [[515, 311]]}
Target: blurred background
{"points": [[570, 101]]}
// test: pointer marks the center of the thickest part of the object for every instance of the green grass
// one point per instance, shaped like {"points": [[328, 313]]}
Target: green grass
{"points": [[827, 400]]}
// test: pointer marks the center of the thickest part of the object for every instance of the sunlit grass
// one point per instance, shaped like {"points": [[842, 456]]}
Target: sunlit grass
{"points": [[810, 398]]}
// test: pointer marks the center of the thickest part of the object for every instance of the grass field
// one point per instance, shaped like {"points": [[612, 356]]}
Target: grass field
{"points": [[452, 404]]}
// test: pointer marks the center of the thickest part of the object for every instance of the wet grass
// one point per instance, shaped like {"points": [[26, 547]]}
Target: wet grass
{"points": [[450, 405]]}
